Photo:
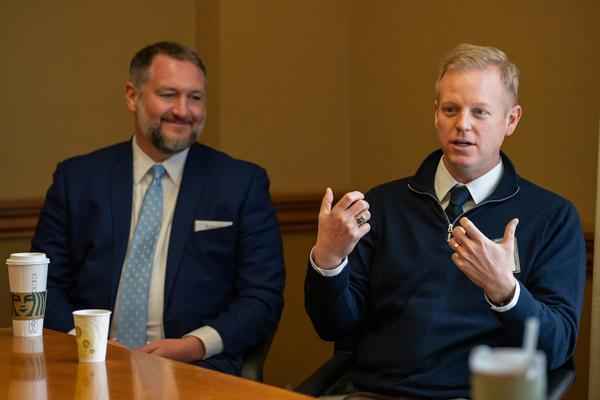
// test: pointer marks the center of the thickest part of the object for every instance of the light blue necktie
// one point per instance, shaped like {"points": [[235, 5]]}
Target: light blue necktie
{"points": [[135, 279]]}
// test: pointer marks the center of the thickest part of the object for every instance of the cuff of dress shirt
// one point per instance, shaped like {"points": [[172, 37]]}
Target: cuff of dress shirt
{"points": [[213, 344], [327, 272], [72, 332], [510, 304]]}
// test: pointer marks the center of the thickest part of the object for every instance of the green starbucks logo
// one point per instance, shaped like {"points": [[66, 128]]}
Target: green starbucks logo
{"points": [[29, 305]]}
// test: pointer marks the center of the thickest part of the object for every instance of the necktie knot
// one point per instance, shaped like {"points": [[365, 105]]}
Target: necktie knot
{"points": [[158, 171], [459, 195]]}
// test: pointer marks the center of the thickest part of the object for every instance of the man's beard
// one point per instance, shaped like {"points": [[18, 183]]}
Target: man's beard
{"points": [[152, 131]]}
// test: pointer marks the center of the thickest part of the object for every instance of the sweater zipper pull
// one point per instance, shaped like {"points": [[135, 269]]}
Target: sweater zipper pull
{"points": [[450, 226]]}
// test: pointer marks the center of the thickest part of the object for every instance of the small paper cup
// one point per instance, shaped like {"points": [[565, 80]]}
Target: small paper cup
{"points": [[91, 332]]}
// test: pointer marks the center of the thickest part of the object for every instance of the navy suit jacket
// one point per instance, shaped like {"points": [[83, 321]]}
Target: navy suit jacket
{"points": [[228, 278]]}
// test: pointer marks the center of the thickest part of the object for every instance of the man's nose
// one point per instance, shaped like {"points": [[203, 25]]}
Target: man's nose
{"points": [[181, 107], [463, 122]]}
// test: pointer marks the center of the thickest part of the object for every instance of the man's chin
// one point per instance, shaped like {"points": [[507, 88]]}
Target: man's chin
{"points": [[458, 160], [170, 146]]}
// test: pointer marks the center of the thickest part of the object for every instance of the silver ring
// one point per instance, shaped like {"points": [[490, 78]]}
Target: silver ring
{"points": [[360, 219]]}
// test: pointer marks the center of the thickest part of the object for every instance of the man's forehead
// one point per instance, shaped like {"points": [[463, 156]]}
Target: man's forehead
{"points": [[489, 72], [166, 67], [483, 82]]}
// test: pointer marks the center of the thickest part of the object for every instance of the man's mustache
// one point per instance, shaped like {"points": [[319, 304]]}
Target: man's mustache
{"points": [[177, 120]]}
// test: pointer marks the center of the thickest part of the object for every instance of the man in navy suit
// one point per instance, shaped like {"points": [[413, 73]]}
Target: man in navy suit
{"points": [[215, 281]]}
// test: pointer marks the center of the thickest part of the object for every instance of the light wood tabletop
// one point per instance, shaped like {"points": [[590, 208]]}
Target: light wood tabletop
{"points": [[47, 368]]}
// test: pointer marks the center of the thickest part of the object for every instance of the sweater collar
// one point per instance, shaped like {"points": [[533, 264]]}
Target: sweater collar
{"points": [[424, 179]]}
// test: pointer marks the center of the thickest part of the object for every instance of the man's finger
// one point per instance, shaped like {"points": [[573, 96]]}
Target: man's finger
{"points": [[471, 229], [148, 348], [157, 351], [366, 214], [327, 200], [358, 207], [364, 229], [454, 244], [348, 199], [459, 234], [509, 231]]}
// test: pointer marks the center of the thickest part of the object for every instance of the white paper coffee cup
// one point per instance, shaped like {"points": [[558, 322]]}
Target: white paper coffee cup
{"points": [[507, 373], [91, 331], [27, 275]]}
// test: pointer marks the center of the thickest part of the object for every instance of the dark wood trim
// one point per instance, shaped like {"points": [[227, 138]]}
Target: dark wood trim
{"points": [[18, 218], [296, 213], [589, 250]]}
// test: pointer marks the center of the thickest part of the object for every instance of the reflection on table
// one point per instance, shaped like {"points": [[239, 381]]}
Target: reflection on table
{"points": [[46, 368]]}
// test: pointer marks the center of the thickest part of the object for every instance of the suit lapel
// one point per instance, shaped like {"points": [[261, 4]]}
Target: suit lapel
{"points": [[190, 195], [121, 189]]}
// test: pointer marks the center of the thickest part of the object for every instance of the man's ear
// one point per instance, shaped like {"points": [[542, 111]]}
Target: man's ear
{"points": [[512, 119], [131, 94], [435, 108]]}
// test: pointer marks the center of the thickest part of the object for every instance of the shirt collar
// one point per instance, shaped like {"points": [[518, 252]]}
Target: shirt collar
{"points": [[479, 188], [142, 163]]}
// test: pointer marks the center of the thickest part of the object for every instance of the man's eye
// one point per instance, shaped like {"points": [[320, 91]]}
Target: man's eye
{"points": [[480, 113], [449, 110], [167, 95], [196, 97]]}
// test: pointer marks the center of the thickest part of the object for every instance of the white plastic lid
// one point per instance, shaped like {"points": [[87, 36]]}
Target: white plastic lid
{"points": [[27, 259]]}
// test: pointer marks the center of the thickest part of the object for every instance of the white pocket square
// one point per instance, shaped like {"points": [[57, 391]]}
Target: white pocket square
{"points": [[204, 225]]}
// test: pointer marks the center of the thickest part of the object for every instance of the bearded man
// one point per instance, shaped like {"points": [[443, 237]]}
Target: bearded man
{"points": [[178, 240]]}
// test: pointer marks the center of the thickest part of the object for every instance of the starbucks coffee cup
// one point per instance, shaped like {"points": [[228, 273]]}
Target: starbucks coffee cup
{"points": [[27, 275]]}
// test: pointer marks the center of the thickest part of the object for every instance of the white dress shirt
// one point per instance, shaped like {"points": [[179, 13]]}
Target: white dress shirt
{"points": [[479, 189], [171, 182]]}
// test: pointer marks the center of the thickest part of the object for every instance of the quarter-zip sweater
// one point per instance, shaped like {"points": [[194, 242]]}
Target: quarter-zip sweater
{"points": [[416, 316]]}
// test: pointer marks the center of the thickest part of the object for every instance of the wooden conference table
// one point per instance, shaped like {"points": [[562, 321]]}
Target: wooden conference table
{"points": [[47, 368]]}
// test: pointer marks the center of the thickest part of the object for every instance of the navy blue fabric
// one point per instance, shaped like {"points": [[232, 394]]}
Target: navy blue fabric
{"points": [[229, 278], [416, 316]]}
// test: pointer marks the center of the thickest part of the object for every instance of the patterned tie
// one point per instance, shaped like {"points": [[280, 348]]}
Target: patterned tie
{"points": [[135, 280], [459, 195]]}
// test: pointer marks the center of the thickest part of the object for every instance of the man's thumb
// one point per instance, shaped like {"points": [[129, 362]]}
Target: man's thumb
{"points": [[327, 201], [509, 231]]}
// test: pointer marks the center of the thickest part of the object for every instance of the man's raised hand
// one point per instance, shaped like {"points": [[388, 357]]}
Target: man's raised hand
{"points": [[340, 228]]}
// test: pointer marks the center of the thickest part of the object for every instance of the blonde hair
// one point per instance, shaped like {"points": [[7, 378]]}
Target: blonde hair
{"points": [[467, 56]]}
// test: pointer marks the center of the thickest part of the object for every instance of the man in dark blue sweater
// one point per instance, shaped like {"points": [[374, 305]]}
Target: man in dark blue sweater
{"points": [[442, 266]]}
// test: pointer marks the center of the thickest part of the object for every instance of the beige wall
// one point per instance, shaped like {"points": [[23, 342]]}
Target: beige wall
{"points": [[282, 87], [63, 73], [320, 92]]}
